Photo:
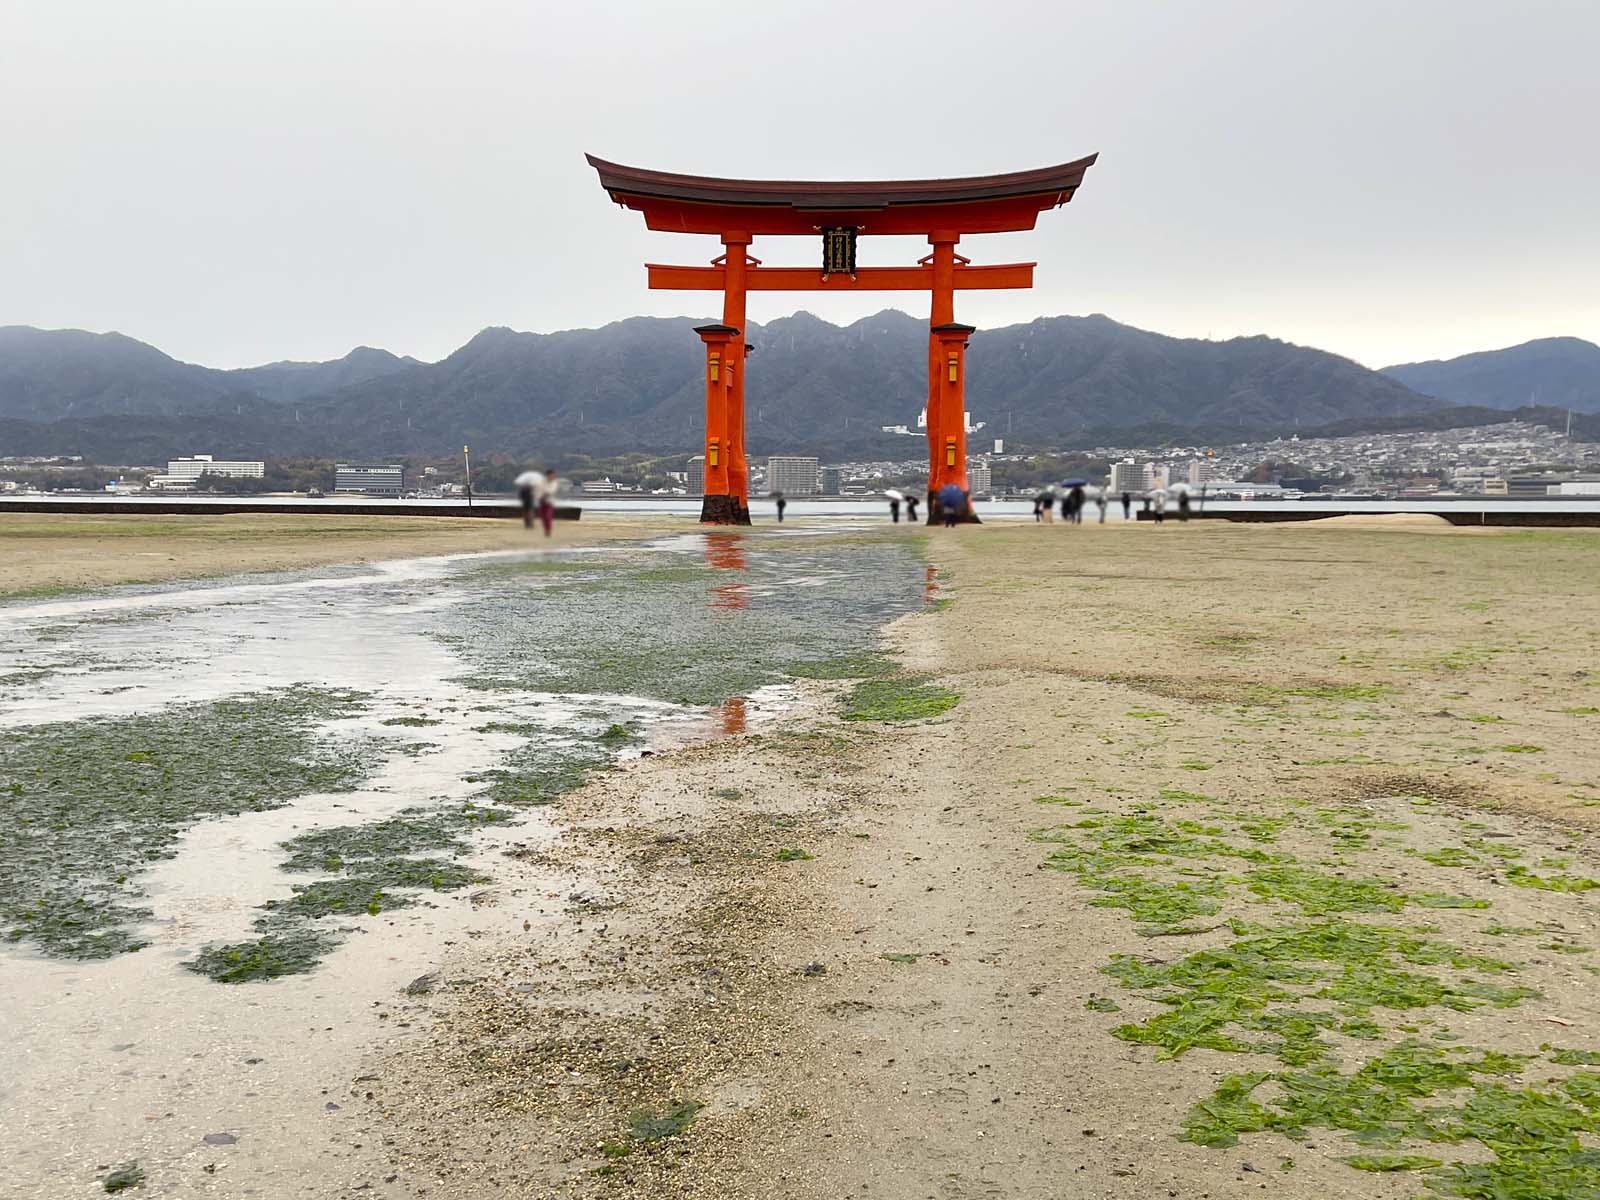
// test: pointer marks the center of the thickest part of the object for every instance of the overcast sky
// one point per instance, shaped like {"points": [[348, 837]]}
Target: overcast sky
{"points": [[237, 181]]}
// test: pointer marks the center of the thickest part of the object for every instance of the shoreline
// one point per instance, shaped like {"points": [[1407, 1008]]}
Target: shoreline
{"points": [[44, 555]]}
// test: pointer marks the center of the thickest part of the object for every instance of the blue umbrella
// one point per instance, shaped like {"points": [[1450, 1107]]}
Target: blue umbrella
{"points": [[951, 496], [1069, 483]]}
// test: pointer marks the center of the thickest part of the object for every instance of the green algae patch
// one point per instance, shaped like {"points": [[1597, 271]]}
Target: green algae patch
{"points": [[538, 773], [412, 832], [898, 698], [1103, 1004], [1522, 877], [86, 805], [1317, 893], [1576, 1058], [867, 664], [1392, 1162], [121, 1179], [1532, 1133], [895, 957], [791, 854], [265, 957], [1448, 856], [371, 869], [652, 1125]]}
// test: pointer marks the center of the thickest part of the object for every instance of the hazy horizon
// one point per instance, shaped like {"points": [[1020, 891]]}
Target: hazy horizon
{"points": [[255, 182]]}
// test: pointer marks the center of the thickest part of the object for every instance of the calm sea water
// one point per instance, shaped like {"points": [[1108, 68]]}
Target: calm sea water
{"points": [[763, 508]]}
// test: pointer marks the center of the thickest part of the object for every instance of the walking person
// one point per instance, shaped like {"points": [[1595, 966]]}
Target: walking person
{"points": [[1127, 506], [1183, 505], [1100, 503], [1161, 505], [782, 504], [894, 504], [547, 501], [1077, 503], [911, 507], [530, 487], [1046, 500]]}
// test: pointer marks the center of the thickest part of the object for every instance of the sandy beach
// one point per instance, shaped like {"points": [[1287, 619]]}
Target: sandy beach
{"points": [[919, 1008], [985, 950]]}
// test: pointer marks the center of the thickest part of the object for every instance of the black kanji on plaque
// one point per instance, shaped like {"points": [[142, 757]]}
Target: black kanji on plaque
{"points": [[839, 250]]}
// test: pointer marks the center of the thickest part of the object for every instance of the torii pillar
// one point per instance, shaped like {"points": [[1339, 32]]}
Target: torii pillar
{"points": [[718, 505], [947, 432]]}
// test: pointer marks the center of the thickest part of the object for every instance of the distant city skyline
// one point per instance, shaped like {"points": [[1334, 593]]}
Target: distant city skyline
{"points": [[250, 182]]}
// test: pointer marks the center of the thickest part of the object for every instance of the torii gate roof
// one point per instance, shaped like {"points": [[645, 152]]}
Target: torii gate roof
{"points": [[971, 204]]}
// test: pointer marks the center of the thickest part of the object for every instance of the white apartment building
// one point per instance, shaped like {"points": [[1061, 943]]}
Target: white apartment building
{"points": [[183, 473], [793, 475], [1129, 476], [980, 479], [696, 483], [1201, 471]]}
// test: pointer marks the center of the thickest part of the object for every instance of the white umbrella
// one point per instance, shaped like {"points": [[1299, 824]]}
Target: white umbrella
{"points": [[892, 494], [1178, 489]]}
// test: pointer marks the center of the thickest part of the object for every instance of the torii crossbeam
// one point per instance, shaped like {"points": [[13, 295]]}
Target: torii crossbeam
{"points": [[736, 211]]}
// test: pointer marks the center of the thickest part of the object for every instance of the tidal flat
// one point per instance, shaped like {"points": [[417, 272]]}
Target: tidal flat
{"points": [[1188, 861], [223, 805]]}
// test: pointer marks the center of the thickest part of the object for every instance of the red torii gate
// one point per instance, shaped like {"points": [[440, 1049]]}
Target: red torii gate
{"points": [[737, 210]]}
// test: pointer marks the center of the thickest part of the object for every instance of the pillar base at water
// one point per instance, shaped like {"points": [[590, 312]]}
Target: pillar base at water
{"points": [[723, 510]]}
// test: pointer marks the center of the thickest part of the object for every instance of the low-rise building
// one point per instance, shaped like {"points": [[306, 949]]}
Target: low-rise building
{"points": [[370, 479]]}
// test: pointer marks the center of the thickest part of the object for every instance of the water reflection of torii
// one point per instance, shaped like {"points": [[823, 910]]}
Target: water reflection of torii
{"points": [[725, 552]]}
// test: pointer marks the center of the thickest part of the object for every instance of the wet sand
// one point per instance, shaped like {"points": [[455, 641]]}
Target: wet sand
{"points": [[905, 1013], [820, 958], [46, 553]]}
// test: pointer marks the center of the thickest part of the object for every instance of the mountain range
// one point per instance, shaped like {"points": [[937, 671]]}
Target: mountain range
{"points": [[635, 385], [1562, 372]]}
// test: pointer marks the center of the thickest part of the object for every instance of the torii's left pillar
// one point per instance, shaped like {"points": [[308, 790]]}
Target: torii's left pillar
{"points": [[718, 506]]}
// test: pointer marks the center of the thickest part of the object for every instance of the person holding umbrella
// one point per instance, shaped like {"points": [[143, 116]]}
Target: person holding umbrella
{"points": [[1182, 491], [894, 498], [952, 502], [911, 507], [1072, 500], [782, 503]]}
